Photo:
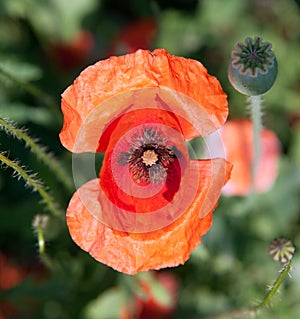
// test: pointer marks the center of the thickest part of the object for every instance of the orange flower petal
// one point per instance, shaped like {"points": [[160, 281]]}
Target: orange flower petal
{"points": [[140, 80], [131, 252]]}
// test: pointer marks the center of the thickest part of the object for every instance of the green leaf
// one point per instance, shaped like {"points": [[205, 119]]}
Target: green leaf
{"points": [[72, 13], [22, 71], [60, 19], [157, 290], [23, 113], [107, 305], [295, 145]]}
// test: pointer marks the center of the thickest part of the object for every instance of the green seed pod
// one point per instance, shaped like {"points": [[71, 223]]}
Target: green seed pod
{"points": [[253, 67]]}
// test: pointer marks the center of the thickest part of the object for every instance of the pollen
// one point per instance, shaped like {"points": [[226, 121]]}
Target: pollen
{"points": [[149, 157]]}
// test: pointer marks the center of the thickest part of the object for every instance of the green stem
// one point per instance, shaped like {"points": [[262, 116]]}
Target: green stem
{"points": [[34, 183], [49, 160], [283, 273], [34, 91], [263, 304], [256, 116], [42, 249]]}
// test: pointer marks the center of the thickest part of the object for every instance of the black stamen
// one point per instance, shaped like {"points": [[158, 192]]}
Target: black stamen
{"points": [[149, 156]]}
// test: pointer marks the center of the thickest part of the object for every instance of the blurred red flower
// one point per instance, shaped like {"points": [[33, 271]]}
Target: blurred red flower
{"points": [[237, 137], [73, 53], [140, 109], [150, 305], [11, 275], [139, 34]]}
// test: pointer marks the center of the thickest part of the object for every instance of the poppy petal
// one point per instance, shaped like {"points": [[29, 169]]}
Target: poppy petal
{"points": [[134, 252], [237, 138], [131, 120], [116, 180], [140, 80]]}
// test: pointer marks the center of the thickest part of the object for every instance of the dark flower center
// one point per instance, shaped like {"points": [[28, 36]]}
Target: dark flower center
{"points": [[149, 157]]}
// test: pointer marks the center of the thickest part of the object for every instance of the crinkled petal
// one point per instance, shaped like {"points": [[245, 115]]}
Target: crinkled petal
{"points": [[135, 120], [140, 80], [131, 252]]}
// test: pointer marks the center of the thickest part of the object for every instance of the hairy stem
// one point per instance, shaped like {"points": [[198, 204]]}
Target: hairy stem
{"points": [[274, 289], [40, 152], [34, 183], [256, 116], [255, 310]]}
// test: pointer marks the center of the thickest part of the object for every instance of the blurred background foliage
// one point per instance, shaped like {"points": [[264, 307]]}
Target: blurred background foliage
{"points": [[45, 44]]}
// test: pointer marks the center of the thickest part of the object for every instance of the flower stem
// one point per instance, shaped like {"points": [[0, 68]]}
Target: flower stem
{"points": [[42, 249], [256, 116], [283, 273], [34, 183], [39, 151], [264, 303], [34, 91]]}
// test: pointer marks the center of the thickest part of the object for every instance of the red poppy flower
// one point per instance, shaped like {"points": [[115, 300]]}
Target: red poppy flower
{"points": [[73, 53], [139, 34], [237, 138], [140, 109], [151, 304], [11, 275]]}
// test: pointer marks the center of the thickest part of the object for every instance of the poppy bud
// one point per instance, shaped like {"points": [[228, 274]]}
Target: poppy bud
{"points": [[282, 249], [253, 67]]}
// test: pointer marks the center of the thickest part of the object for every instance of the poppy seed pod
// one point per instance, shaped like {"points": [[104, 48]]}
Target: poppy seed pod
{"points": [[253, 67]]}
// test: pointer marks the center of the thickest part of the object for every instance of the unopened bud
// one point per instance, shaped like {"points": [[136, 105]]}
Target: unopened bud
{"points": [[282, 249]]}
